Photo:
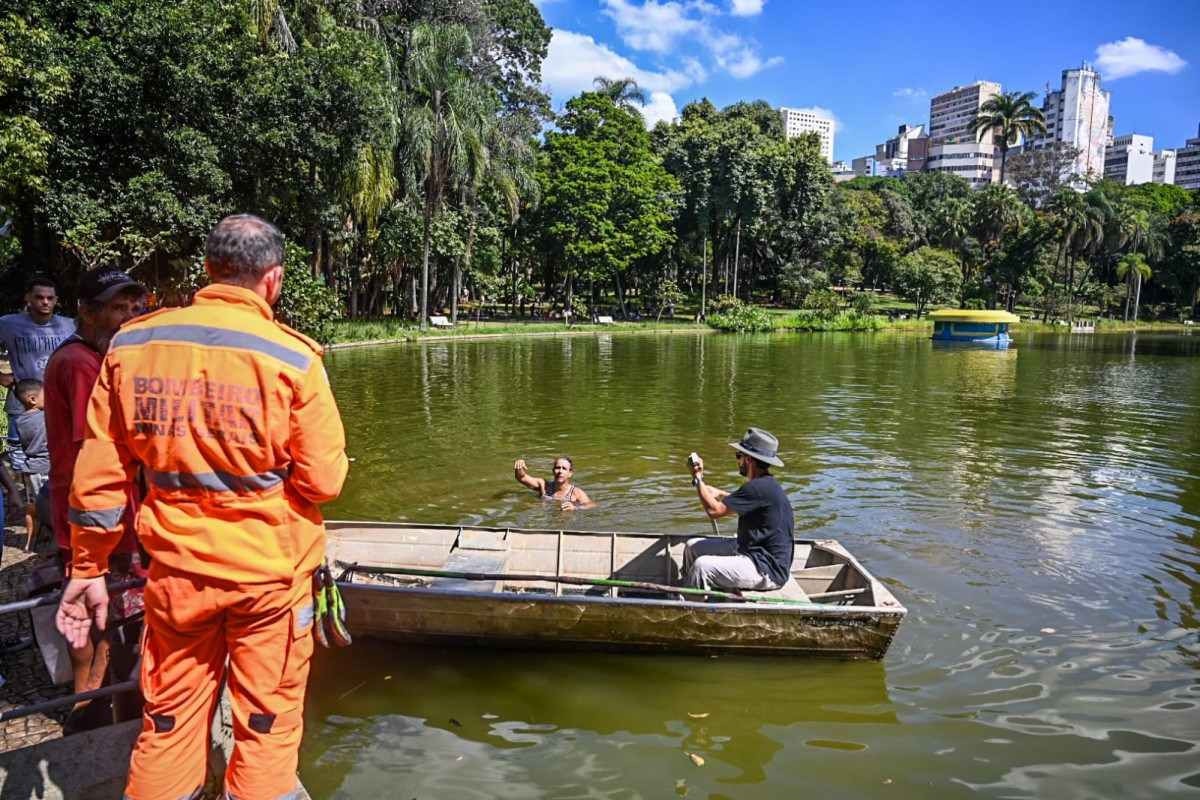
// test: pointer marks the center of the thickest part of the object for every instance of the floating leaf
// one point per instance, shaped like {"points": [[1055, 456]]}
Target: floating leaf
{"points": [[387, 677], [697, 759], [702, 715], [1048, 630]]}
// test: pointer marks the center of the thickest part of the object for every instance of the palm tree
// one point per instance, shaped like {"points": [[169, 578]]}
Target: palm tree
{"points": [[1137, 235], [1081, 226], [1010, 117], [624, 92], [503, 166], [443, 123], [1133, 269]]}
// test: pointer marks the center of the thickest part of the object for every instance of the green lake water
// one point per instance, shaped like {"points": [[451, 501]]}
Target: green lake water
{"points": [[1037, 510]]}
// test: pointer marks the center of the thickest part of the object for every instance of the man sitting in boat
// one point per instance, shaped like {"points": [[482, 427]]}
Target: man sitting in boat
{"points": [[760, 558], [561, 488]]}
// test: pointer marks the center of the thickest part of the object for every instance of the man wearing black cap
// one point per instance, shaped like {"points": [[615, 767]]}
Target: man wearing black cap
{"points": [[761, 556], [107, 299]]}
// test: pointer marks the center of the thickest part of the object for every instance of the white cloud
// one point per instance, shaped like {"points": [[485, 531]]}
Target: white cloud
{"points": [[1131, 55], [659, 26], [746, 8], [574, 60], [744, 62], [652, 26], [911, 93], [660, 107]]}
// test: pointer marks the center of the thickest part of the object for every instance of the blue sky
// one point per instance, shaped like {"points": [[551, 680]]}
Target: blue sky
{"points": [[875, 64]]}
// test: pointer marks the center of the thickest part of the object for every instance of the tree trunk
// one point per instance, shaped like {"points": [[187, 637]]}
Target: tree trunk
{"points": [[737, 254], [426, 239], [704, 276], [1003, 158], [620, 294], [1128, 295], [1137, 298], [570, 296]]}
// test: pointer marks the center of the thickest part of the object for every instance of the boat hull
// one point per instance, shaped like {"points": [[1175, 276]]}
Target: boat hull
{"points": [[496, 587], [573, 622]]}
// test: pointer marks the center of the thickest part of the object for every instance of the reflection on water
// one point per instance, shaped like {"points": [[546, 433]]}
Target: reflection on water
{"points": [[1036, 509]]}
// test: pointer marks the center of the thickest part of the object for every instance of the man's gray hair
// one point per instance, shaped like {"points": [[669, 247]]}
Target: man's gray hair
{"points": [[242, 248]]}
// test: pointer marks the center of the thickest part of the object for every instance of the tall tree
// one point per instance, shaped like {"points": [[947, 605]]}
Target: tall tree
{"points": [[1133, 269], [1009, 117], [606, 199], [1080, 223], [443, 124]]}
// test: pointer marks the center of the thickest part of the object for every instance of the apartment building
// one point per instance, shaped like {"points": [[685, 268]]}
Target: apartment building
{"points": [[951, 113], [804, 120], [1187, 164], [1164, 166], [1078, 114], [1130, 159], [952, 146]]}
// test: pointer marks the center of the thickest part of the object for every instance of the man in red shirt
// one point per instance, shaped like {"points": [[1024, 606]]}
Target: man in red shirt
{"points": [[107, 298]]}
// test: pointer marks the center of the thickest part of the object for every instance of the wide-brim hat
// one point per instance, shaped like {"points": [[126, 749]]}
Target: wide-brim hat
{"points": [[759, 444]]}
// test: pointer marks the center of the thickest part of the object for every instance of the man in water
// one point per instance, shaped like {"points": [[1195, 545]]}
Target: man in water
{"points": [[560, 488], [29, 337], [760, 558]]}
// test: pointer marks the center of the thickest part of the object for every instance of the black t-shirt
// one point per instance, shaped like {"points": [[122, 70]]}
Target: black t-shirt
{"points": [[765, 526]]}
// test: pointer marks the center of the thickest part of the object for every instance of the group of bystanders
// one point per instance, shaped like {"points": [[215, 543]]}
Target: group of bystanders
{"points": [[190, 446]]}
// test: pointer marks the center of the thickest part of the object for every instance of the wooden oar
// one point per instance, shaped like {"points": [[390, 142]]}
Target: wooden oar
{"points": [[532, 576]]}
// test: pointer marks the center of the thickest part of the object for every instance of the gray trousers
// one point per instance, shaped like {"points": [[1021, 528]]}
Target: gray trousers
{"points": [[715, 563]]}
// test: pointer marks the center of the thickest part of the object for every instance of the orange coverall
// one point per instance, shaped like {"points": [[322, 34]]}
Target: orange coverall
{"points": [[231, 416]]}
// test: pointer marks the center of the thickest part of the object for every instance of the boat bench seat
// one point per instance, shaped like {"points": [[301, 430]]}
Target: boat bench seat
{"points": [[789, 591], [476, 551]]}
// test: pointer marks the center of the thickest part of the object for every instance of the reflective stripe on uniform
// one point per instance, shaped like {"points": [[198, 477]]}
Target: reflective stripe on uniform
{"points": [[212, 337], [217, 481], [96, 518]]}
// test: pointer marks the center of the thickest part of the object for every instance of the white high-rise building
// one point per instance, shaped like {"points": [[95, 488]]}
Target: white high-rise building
{"points": [[1187, 164], [804, 120], [1164, 166], [1130, 159], [1077, 114]]}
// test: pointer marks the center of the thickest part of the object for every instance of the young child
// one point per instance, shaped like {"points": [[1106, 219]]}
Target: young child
{"points": [[31, 428]]}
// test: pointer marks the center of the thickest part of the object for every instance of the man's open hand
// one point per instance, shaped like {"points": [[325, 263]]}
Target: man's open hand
{"points": [[84, 602]]}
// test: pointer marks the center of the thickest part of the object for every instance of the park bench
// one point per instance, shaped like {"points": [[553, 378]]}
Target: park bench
{"points": [[440, 322], [604, 321]]}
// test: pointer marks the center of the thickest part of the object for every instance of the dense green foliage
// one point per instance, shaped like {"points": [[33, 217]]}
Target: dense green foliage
{"points": [[403, 148], [742, 318]]}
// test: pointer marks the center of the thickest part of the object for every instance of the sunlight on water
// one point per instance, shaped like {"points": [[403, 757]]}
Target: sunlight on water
{"points": [[1037, 510]]}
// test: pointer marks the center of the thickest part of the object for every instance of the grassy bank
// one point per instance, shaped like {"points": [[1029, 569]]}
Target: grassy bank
{"points": [[362, 331], [350, 332]]}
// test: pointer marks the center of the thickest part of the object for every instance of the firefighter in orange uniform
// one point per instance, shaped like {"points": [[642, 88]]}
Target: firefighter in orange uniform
{"points": [[231, 417]]}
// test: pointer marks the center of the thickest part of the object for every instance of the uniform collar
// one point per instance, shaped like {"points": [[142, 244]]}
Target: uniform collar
{"points": [[229, 294]]}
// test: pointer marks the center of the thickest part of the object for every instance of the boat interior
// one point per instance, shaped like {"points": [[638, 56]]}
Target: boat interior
{"points": [[372, 553]]}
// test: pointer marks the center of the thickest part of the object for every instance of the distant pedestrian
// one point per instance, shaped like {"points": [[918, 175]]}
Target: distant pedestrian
{"points": [[29, 337]]}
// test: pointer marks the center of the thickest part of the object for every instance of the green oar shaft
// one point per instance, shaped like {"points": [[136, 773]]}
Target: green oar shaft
{"points": [[567, 579]]}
